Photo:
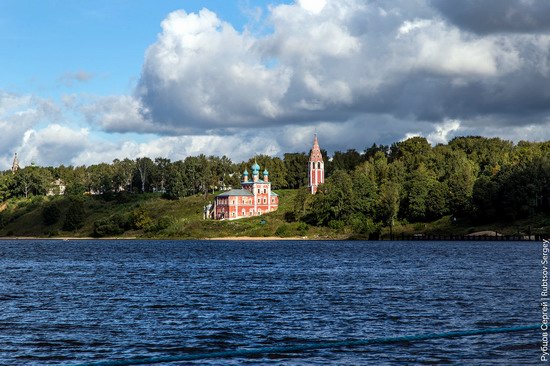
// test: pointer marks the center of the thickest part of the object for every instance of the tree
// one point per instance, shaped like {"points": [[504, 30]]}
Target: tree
{"points": [[346, 160], [160, 173], [300, 204], [390, 197], [417, 190], [296, 169], [334, 199], [32, 180], [371, 151], [460, 186], [123, 172], [100, 178], [485, 199], [6, 186], [365, 193], [76, 214], [412, 152], [51, 213], [77, 183], [145, 168], [175, 181]]}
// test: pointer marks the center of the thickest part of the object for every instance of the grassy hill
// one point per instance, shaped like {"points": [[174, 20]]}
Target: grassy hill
{"points": [[151, 216]]}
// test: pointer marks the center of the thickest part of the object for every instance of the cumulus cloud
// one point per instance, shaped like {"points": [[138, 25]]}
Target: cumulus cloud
{"points": [[19, 113], [356, 72], [329, 61], [52, 145]]}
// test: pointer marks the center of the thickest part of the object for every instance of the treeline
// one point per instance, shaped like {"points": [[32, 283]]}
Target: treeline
{"points": [[487, 179]]}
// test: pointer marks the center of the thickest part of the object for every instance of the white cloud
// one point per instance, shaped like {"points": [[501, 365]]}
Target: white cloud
{"points": [[409, 26], [313, 6], [442, 132], [52, 145]]}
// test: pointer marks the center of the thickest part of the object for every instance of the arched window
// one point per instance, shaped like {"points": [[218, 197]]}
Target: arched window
{"points": [[319, 165]]}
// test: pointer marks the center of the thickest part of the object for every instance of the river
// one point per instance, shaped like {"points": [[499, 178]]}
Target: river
{"points": [[69, 302]]}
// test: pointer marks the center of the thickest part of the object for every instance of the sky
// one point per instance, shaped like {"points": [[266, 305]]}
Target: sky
{"points": [[84, 82]]}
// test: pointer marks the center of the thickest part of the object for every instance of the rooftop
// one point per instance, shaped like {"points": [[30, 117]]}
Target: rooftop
{"points": [[236, 192]]}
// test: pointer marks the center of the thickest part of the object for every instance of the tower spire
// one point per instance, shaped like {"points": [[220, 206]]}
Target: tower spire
{"points": [[15, 164], [316, 167]]}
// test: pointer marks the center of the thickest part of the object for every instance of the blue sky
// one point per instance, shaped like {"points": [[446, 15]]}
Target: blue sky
{"points": [[83, 82], [43, 43]]}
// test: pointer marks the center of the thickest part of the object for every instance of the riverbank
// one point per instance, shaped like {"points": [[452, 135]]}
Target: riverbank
{"points": [[149, 216]]}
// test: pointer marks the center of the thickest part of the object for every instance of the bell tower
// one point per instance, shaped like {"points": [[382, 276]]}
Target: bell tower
{"points": [[316, 167], [15, 164]]}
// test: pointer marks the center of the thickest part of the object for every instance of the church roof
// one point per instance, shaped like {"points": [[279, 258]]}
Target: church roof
{"points": [[256, 182], [236, 192]]}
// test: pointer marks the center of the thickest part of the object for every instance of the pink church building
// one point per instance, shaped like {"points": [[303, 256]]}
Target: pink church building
{"points": [[253, 199]]}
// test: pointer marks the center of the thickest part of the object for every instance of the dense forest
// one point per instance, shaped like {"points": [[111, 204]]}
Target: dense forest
{"points": [[485, 179]]}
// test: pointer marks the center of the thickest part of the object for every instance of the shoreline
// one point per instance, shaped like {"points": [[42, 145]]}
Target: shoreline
{"points": [[231, 238]]}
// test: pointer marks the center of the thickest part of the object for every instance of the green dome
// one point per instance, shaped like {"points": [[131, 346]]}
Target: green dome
{"points": [[266, 172], [256, 167], [245, 172]]}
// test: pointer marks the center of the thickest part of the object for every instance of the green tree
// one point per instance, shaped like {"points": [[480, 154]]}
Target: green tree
{"points": [[123, 172], [6, 186], [31, 180], [460, 186], [333, 200], [145, 168], [346, 160], [51, 213], [412, 152], [389, 201], [297, 169], [417, 193], [364, 192], [76, 214], [175, 181], [100, 178]]}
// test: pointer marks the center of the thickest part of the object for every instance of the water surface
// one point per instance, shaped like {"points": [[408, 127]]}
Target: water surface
{"points": [[66, 302]]}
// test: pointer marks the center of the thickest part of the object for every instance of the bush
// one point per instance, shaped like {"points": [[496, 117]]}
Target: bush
{"points": [[140, 220], [108, 226], [364, 225], [160, 224], [302, 228], [336, 224], [282, 230]]}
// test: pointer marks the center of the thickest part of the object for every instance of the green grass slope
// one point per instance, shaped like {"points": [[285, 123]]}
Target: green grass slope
{"points": [[151, 216], [148, 216]]}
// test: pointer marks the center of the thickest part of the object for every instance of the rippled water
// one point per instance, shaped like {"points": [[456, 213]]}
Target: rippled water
{"points": [[82, 301]]}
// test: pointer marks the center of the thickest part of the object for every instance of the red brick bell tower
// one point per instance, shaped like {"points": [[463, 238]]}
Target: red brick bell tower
{"points": [[316, 167]]}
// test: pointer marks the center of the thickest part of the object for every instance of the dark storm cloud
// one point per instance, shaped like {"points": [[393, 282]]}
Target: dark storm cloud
{"points": [[496, 16], [522, 97]]}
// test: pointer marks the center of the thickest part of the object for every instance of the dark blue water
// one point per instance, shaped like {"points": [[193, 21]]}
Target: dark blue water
{"points": [[82, 301]]}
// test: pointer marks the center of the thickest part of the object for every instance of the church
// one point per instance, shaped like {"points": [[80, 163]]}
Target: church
{"points": [[255, 196], [253, 199]]}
